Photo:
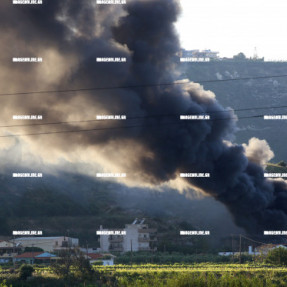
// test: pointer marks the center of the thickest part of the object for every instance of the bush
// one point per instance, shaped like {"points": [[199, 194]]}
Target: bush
{"points": [[3, 284], [33, 249], [277, 256], [26, 271], [282, 163]]}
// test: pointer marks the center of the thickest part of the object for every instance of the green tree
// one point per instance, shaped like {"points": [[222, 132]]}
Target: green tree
{"points": [[83, 268], [63, 266], [26, 271], [277, 256], [3, 284], [33, 249], [282, 163], [73, 260], [240, 57]]}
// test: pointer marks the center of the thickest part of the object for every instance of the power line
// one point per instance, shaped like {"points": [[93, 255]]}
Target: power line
{"points": [[142, 117], [139, 86], [253, 240], [124, 127]]}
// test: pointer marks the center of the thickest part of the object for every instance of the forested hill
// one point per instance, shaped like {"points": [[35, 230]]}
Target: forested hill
{"points": [[252, 93]]}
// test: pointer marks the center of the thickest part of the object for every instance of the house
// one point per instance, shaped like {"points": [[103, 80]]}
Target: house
{"points": [[108, 262], [48, 244], [7, 247], [106, 259], [94, 257], [8, 250], [250, 252], [227, 253], [27, 257], [265, 248], [34, 257], [5, 260], [136, 237], [45, 257]]}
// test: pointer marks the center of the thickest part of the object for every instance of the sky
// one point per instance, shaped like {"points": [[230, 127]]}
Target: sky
{"points": [[233, 26]]}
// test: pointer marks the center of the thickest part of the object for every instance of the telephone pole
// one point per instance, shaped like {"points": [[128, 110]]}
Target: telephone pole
{"points": [[87, 250], [240, 249], [13, 253], [131, 252], [232, 248]]}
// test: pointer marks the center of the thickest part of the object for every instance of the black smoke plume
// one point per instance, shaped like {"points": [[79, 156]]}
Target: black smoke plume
{"points": [[160, 147]]}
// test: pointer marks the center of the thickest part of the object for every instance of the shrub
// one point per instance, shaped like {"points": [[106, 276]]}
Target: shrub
{"points": [[26, 271], [282, 163], [277, 256]]}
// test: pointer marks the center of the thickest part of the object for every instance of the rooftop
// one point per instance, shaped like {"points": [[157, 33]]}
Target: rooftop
{"points": [[40, 238], [28, 255]]}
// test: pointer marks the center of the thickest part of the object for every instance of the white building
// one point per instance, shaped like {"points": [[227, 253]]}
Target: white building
{"points": [[108, 262], [138, 237], [265, 248], [198, 56], [250, 252], [48, 244]]}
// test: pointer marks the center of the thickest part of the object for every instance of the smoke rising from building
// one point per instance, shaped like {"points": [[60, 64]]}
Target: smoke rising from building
{"points": [[70, 36]]}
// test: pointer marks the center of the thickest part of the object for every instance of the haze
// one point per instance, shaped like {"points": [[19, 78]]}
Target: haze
{"points": [[230, 27]]}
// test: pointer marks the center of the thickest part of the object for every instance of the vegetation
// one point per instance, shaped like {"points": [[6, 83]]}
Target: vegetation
{"points": [[240, 57], [33, 249], [277, 256], [282, 163], [169, 258], [144, 275], [276, 168], [26, 271]]}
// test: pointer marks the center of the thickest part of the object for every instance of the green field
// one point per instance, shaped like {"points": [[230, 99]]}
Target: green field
{"points": [[181, 275]]}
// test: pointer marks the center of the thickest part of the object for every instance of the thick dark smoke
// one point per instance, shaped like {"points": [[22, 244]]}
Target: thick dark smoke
{"points": [[238, 183], [75, 33]]}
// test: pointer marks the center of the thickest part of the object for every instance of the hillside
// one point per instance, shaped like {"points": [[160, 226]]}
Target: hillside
{"points": [[271, 92], [275, 168], [77, 205]]}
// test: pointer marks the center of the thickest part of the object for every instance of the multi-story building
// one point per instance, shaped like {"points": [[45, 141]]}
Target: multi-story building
{"points": [[48, 244], [8, 250], [7, 247], [137, 237]]}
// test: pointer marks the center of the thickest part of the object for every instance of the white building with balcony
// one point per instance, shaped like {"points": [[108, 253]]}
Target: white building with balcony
{"points": [[137, 237]]}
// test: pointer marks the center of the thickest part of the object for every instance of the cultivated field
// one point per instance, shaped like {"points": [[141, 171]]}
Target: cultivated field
{"points": [[211, 275], [181, 275]]}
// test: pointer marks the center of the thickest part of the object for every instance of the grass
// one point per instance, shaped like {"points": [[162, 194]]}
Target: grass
{"points": [[176, 275], [184, 275]]}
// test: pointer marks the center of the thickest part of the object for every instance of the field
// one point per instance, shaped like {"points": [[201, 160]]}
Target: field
{"points": [[183, 275], [177, 275]]}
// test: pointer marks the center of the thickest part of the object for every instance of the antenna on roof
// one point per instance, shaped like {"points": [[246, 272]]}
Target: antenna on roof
{"points": [[255, 55]]}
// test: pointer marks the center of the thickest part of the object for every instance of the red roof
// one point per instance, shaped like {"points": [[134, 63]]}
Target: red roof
{"points": [[95, 255], [29, 255]]}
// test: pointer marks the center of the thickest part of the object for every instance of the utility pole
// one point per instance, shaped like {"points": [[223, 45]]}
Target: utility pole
{"points": [[13, 253], [131, 252], [240, 249], [232, 248], [87, 249]]}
